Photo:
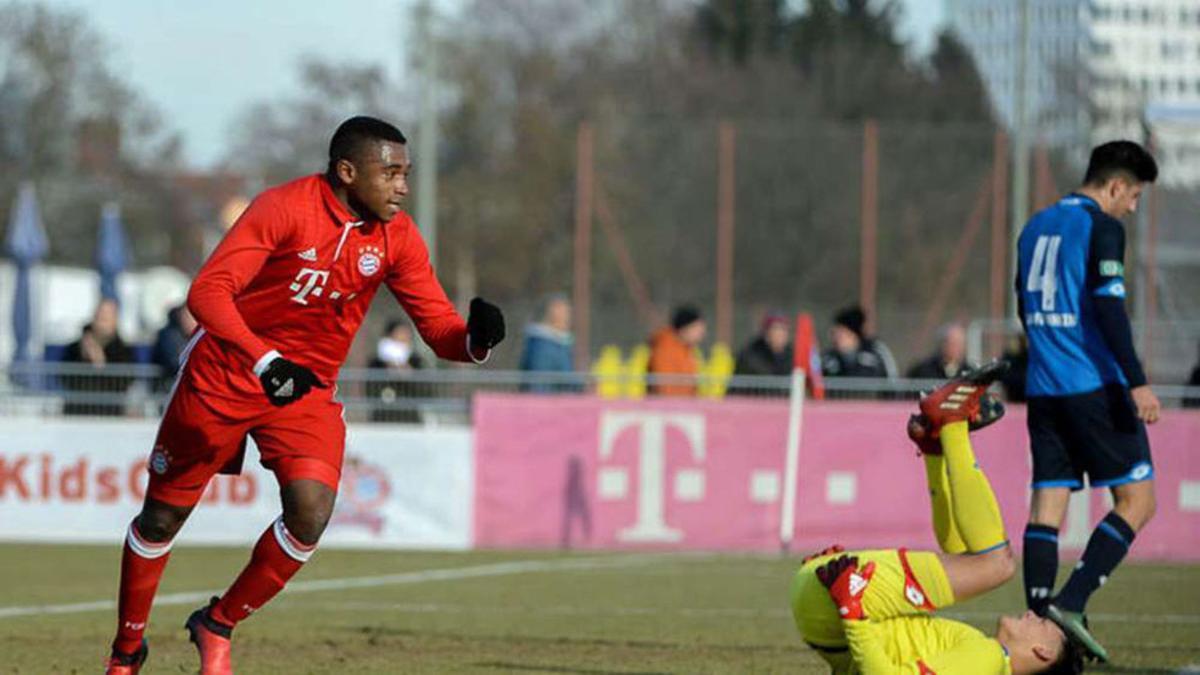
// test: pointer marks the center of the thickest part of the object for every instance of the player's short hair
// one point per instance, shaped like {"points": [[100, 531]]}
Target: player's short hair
{"points": [[1116, 158], [1069, 662], [356, 133]]}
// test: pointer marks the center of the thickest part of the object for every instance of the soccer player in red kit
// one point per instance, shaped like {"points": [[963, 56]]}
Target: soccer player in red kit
{"points": [[278, 303]]}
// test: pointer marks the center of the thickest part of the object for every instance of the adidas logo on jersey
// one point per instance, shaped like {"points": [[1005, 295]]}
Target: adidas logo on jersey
{"points": [[310, 255]]}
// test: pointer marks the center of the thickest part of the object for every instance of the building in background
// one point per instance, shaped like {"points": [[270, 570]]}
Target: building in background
{"points": [[1095, 70]]}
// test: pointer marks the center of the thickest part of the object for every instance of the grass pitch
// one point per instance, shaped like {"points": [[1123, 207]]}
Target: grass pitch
{"points": [[511, 612]]}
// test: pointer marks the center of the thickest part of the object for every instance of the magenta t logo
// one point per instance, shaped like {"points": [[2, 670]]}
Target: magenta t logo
{"points": [[652, 478]]}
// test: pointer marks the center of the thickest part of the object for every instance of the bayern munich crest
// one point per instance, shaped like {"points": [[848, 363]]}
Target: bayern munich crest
{"points": [[369, 260], [160, 460]]}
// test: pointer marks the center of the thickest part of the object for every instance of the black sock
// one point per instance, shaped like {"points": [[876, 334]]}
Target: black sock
{"points": [[1040, 563], [1105, 549]]}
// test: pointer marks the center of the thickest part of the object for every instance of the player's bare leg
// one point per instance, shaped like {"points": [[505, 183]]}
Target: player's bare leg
{"points": [[280, 552], [143, 559], [1135, 502], [1048, 506]]}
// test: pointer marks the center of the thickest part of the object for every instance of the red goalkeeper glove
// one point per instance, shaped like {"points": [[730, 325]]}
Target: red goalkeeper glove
{"points": [[846, 584]]}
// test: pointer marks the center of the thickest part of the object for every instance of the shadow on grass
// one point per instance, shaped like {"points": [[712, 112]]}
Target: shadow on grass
{"points": [[535, 668]]}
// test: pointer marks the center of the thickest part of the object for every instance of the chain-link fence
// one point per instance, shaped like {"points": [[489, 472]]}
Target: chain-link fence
{"points": [[430, 397]]}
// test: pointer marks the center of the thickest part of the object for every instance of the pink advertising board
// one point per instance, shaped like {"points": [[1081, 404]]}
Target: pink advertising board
{"points": [[584, 472]]}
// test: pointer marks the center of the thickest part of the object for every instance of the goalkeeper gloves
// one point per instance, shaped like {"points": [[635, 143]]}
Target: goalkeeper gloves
{"points": [[846, 584], [287, 382], [830, 550], [485, 326]]}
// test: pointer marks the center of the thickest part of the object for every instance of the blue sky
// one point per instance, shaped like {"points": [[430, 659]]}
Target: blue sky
{"points": [[201, 62]]}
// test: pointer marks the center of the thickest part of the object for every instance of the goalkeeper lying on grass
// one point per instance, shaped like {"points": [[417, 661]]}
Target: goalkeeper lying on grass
{"points": [[870, 612]]}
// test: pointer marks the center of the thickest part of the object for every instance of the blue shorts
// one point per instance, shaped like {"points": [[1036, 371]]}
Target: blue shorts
{"points": [[1097, 434]]}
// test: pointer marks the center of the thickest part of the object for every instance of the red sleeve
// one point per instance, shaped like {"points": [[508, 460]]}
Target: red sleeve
{"points": [[235, 262], [412, 281]]}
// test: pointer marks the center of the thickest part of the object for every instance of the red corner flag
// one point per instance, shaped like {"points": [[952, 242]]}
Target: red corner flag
{"points": [[807, 355]]}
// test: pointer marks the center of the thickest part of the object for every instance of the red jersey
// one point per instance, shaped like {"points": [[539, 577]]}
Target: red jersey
{"points": [[296, 275]]}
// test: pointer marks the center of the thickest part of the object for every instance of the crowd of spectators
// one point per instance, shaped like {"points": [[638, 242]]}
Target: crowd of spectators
{"points": [[853, 352]]}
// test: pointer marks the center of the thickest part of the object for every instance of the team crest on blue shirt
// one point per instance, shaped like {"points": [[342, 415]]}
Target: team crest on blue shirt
{"points": [[369, 260]]}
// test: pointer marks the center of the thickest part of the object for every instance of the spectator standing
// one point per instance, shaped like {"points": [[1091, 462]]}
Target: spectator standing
{"points": [[549, 345], [395, 355], [770, 353], [100, 346], [854, 354], [1193, 381], [1016, 352], [672, 352], [171, 339], [950, 359]]}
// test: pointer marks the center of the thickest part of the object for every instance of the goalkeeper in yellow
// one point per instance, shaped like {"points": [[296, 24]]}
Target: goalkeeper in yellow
{"points": [[870, 612]]}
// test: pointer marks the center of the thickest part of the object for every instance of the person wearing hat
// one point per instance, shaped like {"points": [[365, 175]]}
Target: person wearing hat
{"points": [[672, 352], [770, 353], [854, 354]]}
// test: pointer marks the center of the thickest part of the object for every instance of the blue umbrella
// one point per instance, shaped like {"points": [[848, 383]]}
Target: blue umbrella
{"points": [[27, 245], [112, 250]]}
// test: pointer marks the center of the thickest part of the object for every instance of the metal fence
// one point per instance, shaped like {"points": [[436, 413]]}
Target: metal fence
{"points": [[429, 397]]}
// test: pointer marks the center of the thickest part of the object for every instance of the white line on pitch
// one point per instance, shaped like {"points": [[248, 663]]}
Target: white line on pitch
{"points": [[439, 608], [416, 577]]}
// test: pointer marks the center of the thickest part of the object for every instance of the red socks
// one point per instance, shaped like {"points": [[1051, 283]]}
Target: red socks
{"points": [[142, 565], [277, 557]]}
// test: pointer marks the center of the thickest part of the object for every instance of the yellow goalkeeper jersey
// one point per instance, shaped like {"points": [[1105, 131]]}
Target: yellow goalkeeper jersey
{"points": [[899, 635], [922, 645]]}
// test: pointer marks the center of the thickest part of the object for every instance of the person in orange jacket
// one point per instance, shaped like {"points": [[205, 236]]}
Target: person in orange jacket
{"points": [[672, 352]]}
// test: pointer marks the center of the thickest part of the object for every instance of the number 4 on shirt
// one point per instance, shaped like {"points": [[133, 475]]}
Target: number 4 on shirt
{"points": [[1042, 271]]}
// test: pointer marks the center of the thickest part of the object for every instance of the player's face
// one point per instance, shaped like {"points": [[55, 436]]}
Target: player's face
{"points": [[380, 182], [1029, 633], [1124, 196]]}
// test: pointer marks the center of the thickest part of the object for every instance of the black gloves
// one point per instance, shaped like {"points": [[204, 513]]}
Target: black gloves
{"points": [[287, 382], [485, 325]]}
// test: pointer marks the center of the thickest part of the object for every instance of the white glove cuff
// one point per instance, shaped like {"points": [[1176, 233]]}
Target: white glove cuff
{"points": [[266, 361], [471, 353]]}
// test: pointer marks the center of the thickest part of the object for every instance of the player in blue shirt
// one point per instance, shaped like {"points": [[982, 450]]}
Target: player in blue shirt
{"points": [[1088, 397]]}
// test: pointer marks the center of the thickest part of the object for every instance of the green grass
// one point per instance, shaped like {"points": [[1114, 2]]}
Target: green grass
{"points": [[656, 614]]}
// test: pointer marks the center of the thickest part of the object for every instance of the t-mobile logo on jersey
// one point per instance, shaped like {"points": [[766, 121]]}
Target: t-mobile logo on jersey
{"points": [[309, 282], [651, 525]]}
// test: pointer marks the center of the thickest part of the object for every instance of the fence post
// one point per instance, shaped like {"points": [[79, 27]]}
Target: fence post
{"points": [[999, 270], [725, 222], [583, 244], [870, 223]]}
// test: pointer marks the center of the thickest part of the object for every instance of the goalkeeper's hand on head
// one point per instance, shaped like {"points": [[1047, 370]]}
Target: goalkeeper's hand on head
{"points": [[847, 584], [485, 325], [287, 382]]}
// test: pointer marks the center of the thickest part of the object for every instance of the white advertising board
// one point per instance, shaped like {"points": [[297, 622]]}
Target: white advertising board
{"points": [[83, 480]]}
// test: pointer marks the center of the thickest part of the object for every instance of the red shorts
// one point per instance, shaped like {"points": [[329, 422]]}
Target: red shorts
{"points": [[304, 440]]}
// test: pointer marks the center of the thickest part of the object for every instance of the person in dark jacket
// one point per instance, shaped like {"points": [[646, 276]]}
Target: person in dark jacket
{"points": [[950, 359], [396, 356], [854, 354], [1016, 352], [170, 341], [770, 353], [100, 346], [1193, 381], [549, 346]]}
